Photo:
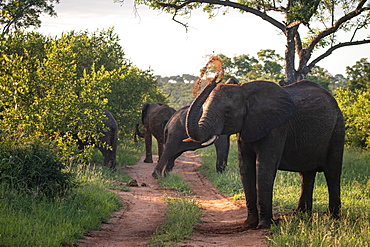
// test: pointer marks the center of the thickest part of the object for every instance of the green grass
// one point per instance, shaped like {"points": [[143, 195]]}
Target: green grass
{"points": [[26, 221], [174, 181], [181, 217], [353, 229], [29, 221], [182, 214]]}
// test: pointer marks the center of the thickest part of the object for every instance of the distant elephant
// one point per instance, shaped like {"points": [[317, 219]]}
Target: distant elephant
{"points": [[296, 128], [110, 138], [154, 117], [174, 134]]}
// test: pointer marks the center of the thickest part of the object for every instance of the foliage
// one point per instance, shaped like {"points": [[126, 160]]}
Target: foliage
{"points": [[29, 221], [33, 167], [267, 66], [43, 95], [130, 88], [324, 20], [320, 76], [17, 14], [180, 93], [58, 86], [359, 75], [355, 106], [352, 229]]}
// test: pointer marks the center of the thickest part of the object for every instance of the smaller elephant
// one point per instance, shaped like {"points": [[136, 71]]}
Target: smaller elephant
{"points": [[109, 138], [174, 134], [154, 118]]}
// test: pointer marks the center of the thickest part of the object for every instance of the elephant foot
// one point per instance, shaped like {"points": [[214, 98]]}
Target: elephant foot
{"points": [[155, 175], [303, 210], [266, 224], [148, 160], [251, 222]]}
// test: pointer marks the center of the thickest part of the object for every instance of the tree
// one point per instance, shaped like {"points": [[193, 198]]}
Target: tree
{"points": [[359, 75], [320, 76], [17, 14], [355, 106], [329, 16], [246, 68]]}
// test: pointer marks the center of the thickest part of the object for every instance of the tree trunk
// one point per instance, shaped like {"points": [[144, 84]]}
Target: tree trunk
{"points": [[291, 74]]}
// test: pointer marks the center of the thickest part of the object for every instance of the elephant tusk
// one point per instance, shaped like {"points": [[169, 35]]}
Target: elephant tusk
{"points": [[188, 140], [210, 141]]}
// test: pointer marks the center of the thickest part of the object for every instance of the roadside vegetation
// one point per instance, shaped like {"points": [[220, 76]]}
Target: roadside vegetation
{"points": [[352, 229], [182, 215], [29, 218]]}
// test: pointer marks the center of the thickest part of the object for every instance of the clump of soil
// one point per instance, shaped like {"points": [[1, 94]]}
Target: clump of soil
{"points": [[214, 64]]}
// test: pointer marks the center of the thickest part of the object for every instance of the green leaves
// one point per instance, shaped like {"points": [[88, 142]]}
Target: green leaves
{"points": [[267, 66], [17, 14], [355, 106]]}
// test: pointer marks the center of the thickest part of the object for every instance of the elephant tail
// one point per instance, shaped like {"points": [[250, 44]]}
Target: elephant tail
{"points": [[137, 132]]}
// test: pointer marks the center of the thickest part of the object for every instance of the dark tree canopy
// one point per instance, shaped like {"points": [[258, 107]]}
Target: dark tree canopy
{"points": [[17, 14], [323, 19]]}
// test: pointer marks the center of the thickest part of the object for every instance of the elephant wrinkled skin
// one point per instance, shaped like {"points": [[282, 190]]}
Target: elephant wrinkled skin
{"points": [[174, 134], [154, 118], [296, 128]]}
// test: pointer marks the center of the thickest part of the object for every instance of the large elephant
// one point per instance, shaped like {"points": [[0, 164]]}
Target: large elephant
{"points": [[109, 138], [296, 128], [154, 118], [174, 133]]}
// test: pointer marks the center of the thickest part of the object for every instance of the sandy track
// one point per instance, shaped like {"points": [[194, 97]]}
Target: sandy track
{"points": [[144, 212]]}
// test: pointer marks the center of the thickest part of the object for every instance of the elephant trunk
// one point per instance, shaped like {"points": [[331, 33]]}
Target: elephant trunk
{"points": [[195, 130]]}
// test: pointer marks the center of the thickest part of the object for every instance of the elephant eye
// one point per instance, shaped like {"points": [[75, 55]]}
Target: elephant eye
{"points": [[227, 111]]}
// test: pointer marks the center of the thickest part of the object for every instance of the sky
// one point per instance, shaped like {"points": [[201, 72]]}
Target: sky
{"points": [[152, 40]]}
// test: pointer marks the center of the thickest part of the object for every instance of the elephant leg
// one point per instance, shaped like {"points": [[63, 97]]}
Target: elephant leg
{"points": [[333, 171], [160, 149], [165, 164], [148, 147], [109, 157], [222, 145], [247, 168], [305, 200], [333, 182], [265, 182]]}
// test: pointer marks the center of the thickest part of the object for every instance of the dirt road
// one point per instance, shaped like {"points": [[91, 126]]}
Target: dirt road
{"points": [[144, 212]]}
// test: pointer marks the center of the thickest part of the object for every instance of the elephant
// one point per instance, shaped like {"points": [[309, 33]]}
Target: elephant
{"points": [[297, 128], [109, 138], [174, 133], [154, 118]]}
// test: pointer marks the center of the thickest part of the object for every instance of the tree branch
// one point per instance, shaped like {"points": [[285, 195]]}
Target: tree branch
{"points": [[359, 9], [333, 48], [235, 5]]}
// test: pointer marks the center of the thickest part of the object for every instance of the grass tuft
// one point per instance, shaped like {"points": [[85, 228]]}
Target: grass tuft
{"points": [[181, 217], [175, 182]]}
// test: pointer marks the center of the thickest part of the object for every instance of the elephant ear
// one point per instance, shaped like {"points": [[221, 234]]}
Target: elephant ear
{"points": [[268, 107]]}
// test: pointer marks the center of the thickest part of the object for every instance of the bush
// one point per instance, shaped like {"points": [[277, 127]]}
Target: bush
{"points": [[355, 106], [33, 167]]}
